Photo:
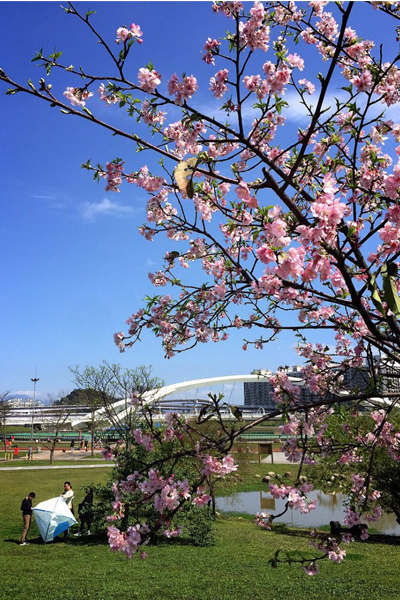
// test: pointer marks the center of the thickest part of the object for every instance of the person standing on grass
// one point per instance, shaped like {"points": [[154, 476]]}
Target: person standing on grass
{"points": [[72, 446], [26, 507], [16, 451], [85, 512], [68, 496]]}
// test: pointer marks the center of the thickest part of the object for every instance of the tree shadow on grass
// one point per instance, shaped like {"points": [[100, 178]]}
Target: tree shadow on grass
{"points": [[31, 542], [85, 540], [176, 541], [88, 540], [374, 538]]}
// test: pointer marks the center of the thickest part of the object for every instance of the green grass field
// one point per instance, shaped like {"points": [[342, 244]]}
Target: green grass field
{"points": [[234, 569]]}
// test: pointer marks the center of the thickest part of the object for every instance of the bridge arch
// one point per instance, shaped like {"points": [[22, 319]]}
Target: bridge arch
{"points": [[153, 396]]}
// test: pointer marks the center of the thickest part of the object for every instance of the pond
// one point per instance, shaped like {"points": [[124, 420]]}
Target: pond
{"points": [[329, 508]]}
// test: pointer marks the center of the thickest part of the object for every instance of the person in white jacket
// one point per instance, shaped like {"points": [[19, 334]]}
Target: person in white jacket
{"points": [[68, 496]]}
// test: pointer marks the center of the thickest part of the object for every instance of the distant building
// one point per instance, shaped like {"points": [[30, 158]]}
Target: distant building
{"points": [[259, 393], [387, 377]]}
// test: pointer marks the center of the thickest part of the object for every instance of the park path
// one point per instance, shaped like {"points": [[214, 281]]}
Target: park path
{"points": [[97, 466], [279, 459]]}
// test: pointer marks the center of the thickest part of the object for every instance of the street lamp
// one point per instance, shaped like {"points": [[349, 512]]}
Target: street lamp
{"points": [[34, 380]]}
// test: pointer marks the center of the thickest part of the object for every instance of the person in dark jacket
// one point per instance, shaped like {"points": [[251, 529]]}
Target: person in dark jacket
{"points": [[26, 507], [85, 512]]}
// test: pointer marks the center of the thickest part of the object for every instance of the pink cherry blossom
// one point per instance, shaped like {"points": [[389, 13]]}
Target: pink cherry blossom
{"points": [[149, 80]]}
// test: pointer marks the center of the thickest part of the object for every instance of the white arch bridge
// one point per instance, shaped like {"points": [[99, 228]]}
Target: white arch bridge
{"points": [[159, 398]]}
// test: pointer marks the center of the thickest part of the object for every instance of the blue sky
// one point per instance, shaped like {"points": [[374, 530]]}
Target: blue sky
{"points": [[73, 265]]}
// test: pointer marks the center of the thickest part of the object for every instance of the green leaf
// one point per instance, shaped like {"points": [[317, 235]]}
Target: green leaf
{"points": [[390, 295], [190, 189], [39, 55], [375, 297], [348, 88], [90, 12]]}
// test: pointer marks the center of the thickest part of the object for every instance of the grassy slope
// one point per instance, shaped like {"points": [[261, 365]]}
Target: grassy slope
{"points": [[235, 568]]}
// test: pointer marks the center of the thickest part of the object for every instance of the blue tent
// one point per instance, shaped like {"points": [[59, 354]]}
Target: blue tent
{"points": [[53, 517]]}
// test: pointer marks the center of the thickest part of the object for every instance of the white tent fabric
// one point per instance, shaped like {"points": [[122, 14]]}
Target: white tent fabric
{"points": [[53, 517]]}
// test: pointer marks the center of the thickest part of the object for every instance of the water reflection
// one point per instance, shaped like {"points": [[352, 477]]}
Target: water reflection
{"points": [[329, 508]]}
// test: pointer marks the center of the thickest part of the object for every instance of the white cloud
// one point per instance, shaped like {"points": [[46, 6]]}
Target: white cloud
{"points": [[91, 210], [58, 201]]}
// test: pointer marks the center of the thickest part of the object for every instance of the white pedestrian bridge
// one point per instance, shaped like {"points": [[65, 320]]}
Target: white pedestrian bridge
{"points": [[159, 397], [80, 416]]}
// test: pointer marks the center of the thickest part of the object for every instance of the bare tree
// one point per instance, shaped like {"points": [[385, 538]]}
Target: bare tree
{"points": [[109, 384], [5, 408], [94, 423], [58, 419]]}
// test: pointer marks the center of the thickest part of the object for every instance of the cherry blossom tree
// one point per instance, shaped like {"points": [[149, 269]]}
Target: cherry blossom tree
{"points": [[292, 228]]}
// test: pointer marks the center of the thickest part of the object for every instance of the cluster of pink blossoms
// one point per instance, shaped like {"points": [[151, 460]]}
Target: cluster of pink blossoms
{"points": [[77, 96], [144, 439], [212, 48], [124, 34], [283, 14], [229, 9], [108, 453], [296, 498], [186, 137], [129, 542], [330, 547], [182, 90], [159, 210], [244, 194], [149, 79], [175, 427], [107, 98], [309, 87], [213, 466], [263, 520], [254, 33], [218, 83], [147, 181], [114, 176], [152, 116], [202, 498], [274, 83]]}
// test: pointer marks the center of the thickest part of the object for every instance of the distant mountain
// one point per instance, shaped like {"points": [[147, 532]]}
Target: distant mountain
{"points": [[22, 396]]}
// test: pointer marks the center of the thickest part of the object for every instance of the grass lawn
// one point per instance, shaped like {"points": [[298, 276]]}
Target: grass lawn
{"points": [[234, 569]]}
